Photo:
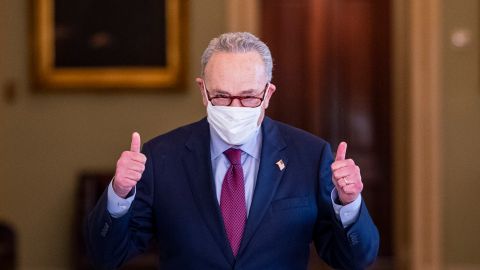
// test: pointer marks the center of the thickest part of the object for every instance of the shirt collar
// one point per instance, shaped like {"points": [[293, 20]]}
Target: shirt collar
{"points": [[252, 147]]}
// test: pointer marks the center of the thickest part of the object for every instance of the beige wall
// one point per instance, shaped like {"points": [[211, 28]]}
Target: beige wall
{"points": [[47, 139], [461, 135]]}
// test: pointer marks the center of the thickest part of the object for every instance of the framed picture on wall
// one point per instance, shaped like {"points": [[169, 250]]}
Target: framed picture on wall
{"points": [[92, 44]]}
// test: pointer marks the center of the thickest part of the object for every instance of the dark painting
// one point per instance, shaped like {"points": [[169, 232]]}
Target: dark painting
{"points": [[110, 33]]}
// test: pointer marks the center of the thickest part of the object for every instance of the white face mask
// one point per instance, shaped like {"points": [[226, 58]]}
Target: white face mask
{"points": [[235, 125]]}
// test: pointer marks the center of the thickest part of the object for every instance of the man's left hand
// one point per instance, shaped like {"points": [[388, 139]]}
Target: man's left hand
{"points": [[346, 176]]}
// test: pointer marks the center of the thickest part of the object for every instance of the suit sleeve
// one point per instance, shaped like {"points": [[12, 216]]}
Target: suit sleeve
{"points": [[354, 247], [112, 241]]}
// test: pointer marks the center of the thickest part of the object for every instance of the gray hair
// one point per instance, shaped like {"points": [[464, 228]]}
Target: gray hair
{"points": [[239, 42]]}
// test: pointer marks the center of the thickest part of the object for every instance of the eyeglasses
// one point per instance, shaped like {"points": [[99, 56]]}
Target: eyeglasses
{"points": [[246, 101]]}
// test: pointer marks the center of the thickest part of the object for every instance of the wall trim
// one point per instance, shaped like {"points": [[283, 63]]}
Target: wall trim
{"points": [[243, 15], [417, 133]]}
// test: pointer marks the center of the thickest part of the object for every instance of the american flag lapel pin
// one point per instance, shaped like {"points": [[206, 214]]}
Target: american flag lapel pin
{"points": [[280, 165]]}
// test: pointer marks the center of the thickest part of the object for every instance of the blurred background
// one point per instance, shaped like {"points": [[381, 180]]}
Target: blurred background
{"points": [[397, 79]]}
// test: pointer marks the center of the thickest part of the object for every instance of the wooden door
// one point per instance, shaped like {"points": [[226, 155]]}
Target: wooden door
{"points": [[332, 72]]}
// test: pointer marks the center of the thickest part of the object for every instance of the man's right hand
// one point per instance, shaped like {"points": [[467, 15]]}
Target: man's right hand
{"points": [[130, 167]]}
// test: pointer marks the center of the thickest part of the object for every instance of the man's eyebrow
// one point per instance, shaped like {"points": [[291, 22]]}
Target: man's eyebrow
{"points": [[244, 92], [220, 91], [249, 91]]}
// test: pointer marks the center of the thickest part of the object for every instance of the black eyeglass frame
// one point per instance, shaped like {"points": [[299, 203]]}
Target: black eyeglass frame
{"points": [[240, 98]]}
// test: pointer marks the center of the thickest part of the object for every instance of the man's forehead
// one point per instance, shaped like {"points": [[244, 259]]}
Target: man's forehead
{"points": [[222, 61], [235, 71]]}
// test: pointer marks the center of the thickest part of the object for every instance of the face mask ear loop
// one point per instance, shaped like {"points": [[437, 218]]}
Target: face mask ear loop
{"points": [[265, 95], [205, 92]]}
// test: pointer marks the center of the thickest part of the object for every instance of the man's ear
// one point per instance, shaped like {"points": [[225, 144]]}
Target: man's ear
{"points": [[200, 83], [270, 90]]}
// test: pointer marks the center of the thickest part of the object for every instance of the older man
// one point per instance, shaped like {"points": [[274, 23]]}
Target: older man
{"points": [[236, 190]]}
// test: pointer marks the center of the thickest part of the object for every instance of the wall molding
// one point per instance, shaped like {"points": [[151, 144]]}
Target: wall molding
{"points": [[417, 131], [243, 15]]}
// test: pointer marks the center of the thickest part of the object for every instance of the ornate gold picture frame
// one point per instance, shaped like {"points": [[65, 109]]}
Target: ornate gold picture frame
{"points": [[85, 44]]}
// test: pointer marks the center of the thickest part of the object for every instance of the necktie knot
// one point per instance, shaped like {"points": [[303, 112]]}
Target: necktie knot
{"points": [[234, 156]]}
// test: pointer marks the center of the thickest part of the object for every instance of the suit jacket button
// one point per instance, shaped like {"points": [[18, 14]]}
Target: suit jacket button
{"points": [[104, 231], [353, 239]]}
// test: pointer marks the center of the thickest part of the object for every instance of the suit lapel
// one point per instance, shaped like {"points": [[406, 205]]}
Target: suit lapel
{"points": [[197, 162], [269, 176]]}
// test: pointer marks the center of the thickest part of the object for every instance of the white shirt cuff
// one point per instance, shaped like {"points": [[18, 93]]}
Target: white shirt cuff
{"points": [[347, 214], [116, 205]]}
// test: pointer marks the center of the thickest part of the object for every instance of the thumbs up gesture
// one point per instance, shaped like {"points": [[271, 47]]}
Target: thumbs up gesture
{"points": [[346, 176], [130, 167]]}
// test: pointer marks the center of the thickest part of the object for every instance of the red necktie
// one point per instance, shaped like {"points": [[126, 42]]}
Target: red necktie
{"points": [[232, 200]]}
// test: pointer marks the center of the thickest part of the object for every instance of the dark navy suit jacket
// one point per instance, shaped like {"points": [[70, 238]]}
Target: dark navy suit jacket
{"points": [[176, 204]]}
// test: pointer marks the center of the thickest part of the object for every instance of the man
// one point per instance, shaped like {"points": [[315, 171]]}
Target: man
{"points": [[236, 190]]}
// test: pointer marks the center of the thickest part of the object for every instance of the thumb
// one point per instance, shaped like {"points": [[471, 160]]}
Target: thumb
{"points": [[341, 151], [135, 146]]}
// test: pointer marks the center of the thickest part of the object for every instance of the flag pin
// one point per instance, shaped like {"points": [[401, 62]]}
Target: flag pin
{"points": [[280, 165]]}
